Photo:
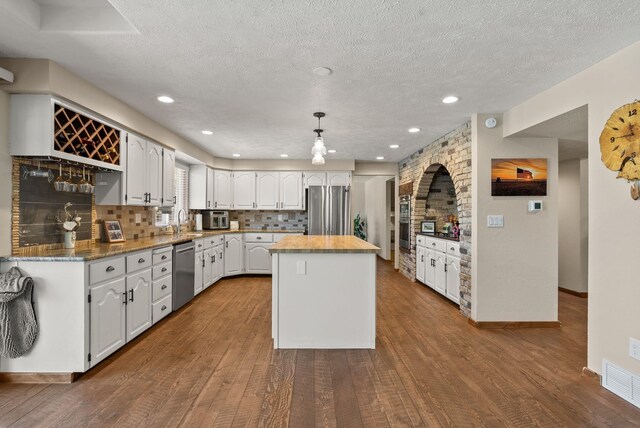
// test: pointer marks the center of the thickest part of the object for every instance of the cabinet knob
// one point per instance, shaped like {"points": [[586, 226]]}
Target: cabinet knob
{"points": [[164, 287], [141, 260], [110, 268], [452, 248], [164, 269], [164, 257], [164, 307]]}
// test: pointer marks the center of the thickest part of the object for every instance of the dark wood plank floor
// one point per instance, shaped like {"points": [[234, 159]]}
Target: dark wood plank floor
{"points": [[212, 364]]}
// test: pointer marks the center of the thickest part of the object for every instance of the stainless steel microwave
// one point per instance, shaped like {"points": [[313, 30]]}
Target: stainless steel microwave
{"points": [[213, 220]]}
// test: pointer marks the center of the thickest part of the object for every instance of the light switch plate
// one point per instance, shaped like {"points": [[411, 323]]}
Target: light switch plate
{"points": [[495, 221], [634, 348], [138, 218], [301, 267]]}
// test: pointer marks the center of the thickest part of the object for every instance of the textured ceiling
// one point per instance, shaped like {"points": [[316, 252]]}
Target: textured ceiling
{"points": [[243, 68]]}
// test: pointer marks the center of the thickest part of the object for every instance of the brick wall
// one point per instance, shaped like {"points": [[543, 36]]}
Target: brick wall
{"points": [[441, 200], [453, 152]]}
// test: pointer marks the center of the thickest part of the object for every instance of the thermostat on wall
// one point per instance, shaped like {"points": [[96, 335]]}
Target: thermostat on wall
{"points": [[535, 206]]}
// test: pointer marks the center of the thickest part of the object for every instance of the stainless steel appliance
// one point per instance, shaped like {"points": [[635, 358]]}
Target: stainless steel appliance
{"points": [[184, 259], [405, 222], [329, 210], [212, 220]]}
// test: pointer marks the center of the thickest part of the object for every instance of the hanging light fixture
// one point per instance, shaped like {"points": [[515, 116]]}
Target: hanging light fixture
{"points": [[319, 150]]}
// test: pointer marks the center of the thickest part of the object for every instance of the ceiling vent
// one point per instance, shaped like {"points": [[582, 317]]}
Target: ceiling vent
{"points": [[6, 76]]}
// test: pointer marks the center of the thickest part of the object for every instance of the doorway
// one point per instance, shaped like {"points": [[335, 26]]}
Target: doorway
{"points": [[373, 200]]}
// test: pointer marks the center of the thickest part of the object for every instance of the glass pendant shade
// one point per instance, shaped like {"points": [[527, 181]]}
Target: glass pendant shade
{"points": [[317, 160]]}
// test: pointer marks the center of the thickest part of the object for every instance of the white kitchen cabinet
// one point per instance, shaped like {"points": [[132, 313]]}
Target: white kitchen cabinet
{"points": [[162, 287], [421, 263], [168, 177], [291, 191], [244, 190], [154, 174], [198, 278], [440, 264], [108, 319], [267, 190], [136, 193], [257, 258], [233, 254], [338, 178], [453, 278], [222, 190], [201, 179], [314, 178], [218, 266], [207, 275], [138, 303], [430, 268]]}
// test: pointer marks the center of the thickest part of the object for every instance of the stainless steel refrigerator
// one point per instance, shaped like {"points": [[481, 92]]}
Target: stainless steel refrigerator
{"points": [[329, 210]]}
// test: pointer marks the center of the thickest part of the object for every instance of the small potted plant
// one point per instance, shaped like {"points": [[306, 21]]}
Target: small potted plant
{"points": [[70, 224]]}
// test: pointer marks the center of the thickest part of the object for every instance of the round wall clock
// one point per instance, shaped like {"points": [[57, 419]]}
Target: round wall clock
{"points": [[620, 141]]}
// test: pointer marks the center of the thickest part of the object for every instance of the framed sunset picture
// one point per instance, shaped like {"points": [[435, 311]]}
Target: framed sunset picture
{"points": [[518, 177]]}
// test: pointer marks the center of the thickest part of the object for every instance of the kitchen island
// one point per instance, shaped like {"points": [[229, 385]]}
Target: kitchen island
{"points": [[324, 293]]}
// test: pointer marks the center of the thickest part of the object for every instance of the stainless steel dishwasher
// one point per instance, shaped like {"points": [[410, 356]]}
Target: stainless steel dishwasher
{"points": [[184, 259]]}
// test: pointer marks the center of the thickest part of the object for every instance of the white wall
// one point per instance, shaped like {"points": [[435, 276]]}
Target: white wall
{"points": [[358, 197], [515, 268], [5, 176], [376, 213], [572, 225], [614, 226]]}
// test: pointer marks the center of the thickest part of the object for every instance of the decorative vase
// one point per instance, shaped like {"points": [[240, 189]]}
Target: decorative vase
{"points": [[69, 239]]}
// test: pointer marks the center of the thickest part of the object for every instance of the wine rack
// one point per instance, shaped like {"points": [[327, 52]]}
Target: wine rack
{"points": [[79, 135]]}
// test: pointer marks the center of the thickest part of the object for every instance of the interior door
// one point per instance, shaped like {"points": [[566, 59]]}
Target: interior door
{"points": [[138, 303], [222, 195], [453, 278], [244, 190], [267, 190], [168, 177], [108, 319], [136, 170], [154, 174]]}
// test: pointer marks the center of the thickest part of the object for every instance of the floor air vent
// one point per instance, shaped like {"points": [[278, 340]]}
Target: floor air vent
{"points": [[621, 382]]}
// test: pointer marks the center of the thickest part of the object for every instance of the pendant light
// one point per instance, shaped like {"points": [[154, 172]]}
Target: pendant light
{"points": [[319, 150]]}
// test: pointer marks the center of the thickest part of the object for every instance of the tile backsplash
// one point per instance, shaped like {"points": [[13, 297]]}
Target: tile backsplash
{"points": [[270, 220]]}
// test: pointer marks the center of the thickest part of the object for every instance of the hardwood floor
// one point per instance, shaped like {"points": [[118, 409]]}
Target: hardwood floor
{"points": [[212, 364]]}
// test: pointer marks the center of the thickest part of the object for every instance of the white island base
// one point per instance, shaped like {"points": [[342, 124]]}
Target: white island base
{"points": [[324, 300]]}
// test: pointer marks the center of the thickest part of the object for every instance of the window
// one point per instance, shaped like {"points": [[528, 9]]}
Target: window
{"points": [[167, 216]]}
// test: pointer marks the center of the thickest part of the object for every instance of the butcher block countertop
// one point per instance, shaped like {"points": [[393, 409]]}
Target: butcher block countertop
{"points": [[323, 244], [102, 250]]}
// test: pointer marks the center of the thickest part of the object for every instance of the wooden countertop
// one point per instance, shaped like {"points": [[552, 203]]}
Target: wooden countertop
{"points": [[323, 244], [102, 250]]}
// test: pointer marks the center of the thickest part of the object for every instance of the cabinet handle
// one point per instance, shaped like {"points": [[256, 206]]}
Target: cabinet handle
{"points": [[422, 258], [258, 237], [433, 243], [213, 258], [131, 295], [215, 204], [149, 198], [141, 260], [174, 200], [163, 307], [164, 287], [164, 257], [202, 262], [227, 244], [453, 249], [445, 268], [164, 269], [110, 268], [221, 256], [124, 298]]}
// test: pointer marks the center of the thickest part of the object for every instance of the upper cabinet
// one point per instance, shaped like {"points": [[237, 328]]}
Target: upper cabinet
{"points": [[154, 174], [244, 190], [168, 177], [338, 178], [267, 186], [42, 125], [222, 190], [291, 191], [144, 172], [201, 179], [314, 178], [322, 178]]}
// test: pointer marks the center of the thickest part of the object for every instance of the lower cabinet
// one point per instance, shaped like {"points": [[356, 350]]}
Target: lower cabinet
{"points": [[421, 263], [198, 278], [438, 265], [108, 319], [138, 303], [257, 258], [233, 254], [162, 287], [439, 268], [453, 278]]}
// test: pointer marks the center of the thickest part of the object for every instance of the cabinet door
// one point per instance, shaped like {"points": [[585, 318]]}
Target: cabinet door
{"points": [[430, 268], [338, 179], [199, 272], [154, 174], [136, 170], [267, 190], [233, 257], [168, 177], [244, 190], [314, 178], [453, 278], [440, 272], [222, 190], [257, 258], [216, 263], [421, 263], [207, 275], [108, 319], [291, 190], [210, 187], [138, 303], [198, 187]]}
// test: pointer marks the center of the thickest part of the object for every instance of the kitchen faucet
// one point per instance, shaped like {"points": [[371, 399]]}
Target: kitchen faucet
{"points": [[182, 211]]}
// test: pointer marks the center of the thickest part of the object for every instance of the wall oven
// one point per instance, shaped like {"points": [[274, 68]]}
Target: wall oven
{"points": [[405, 222]]}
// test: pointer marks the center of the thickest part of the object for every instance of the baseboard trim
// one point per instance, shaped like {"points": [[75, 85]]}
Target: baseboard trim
{"points": [[587, 372], [39, 377], [513, 324], [575, 293]]}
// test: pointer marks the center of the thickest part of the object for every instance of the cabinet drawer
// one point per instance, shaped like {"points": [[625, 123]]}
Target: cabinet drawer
{"points": [[277, 237], [258, 237], [212, 241], [161, 270], [162, 255], [199, 243], [108, 269], [161, 287], [139, 261], [436, 244], [453, 249], [421, 240], [161, 308]]}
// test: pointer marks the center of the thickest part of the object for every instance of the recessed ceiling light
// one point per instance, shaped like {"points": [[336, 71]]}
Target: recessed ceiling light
{"points": [[236, 155], [450, 99], [380, 157], [165, 99], [394, 146], [284, 155], [322, 71], [207, 132], [414, 130], [331, 150]]}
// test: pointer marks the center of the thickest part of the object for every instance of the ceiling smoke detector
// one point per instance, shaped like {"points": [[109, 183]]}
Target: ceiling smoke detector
{"points": [[6, 76]]}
